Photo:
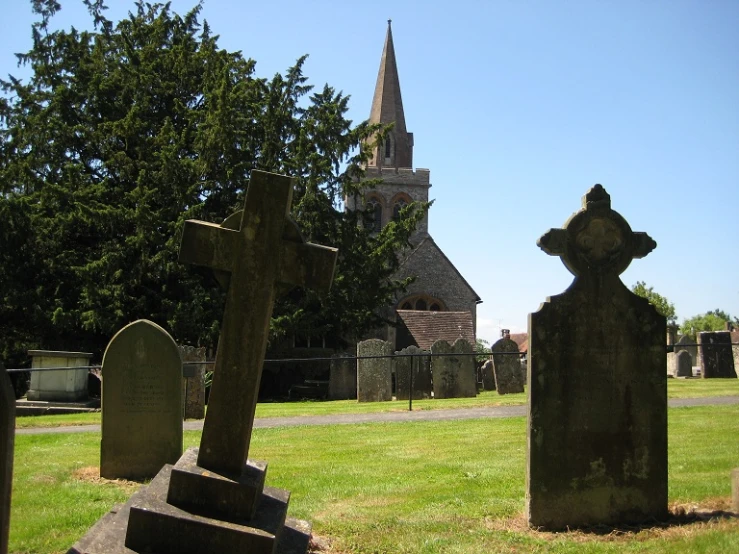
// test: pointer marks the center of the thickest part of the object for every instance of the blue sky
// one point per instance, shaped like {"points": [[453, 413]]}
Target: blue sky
{"points": [[518, 108]]}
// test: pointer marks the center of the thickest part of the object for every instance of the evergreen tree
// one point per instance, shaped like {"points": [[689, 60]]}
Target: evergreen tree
{"points": [[123, 133]]}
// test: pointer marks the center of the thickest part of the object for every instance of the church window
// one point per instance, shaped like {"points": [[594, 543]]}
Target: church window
{"points": [[435, 307], [388, 148], [375, 214], [399, 205], [406, 306], [420, 304]]}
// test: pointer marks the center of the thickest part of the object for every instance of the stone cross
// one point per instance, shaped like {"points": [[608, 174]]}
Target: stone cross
{"points": [[253, 256]]}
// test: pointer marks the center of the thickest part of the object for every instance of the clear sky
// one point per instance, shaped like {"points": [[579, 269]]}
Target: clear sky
{"points": [[518, 108]]}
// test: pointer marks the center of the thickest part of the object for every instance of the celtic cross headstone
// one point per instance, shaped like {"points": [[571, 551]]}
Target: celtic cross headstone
{"points": [[597, 421]]}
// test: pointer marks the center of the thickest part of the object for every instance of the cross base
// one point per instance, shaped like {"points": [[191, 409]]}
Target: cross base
{"points": [[210, 494], [149, 523]]}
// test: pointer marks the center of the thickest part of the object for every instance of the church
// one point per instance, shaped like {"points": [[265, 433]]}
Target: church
{"points": [[440, 304]]}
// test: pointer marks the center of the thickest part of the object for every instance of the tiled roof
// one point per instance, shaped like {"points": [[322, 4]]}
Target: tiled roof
{"points": [[428, 327], [522, 340]]}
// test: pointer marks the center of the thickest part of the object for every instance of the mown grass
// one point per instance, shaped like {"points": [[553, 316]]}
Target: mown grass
{"points": [[418, 487], [676, 388]]}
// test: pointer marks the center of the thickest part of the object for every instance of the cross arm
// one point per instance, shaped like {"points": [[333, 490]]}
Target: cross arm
{"points": [[307, 265], [208, 244]]}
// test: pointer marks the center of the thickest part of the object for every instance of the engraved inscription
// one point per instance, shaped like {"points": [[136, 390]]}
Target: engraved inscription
{"points": [[144, 391]]}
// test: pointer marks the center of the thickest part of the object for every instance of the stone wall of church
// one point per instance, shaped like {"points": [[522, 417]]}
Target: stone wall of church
{"points": [[438, 278]]}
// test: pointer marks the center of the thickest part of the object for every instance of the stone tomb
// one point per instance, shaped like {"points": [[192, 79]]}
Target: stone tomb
{"points": [[488, 378], [374, 374], [342, 381], [453, 375], [597, 421], [7, 438], [683, 364], [412, 371], [213, 500], [716, 356], [59, 385], [507, 367], [193, 382], [141, 402]]}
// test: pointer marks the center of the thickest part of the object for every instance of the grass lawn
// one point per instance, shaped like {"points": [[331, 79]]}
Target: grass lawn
{"points": [[417, 487], [676, 388]]}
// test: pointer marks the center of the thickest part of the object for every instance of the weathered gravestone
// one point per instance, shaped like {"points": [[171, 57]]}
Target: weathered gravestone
{"points": [[7, 438], [671, 364], [685, 343], [141, 402], [412, 370], [507, 366], [193, 382], [453, 371], [597, 423], [488, 378], [716, 356], [683, 364], [214, 498], [374, 371], [342, 381]]}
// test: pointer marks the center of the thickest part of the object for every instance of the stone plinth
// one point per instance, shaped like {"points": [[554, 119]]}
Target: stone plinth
{"points": [[61, 385], [374, 373], [597, 422]]}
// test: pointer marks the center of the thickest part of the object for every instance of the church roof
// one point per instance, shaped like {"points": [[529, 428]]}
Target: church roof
{"points": [[428, 327], [387, 105]]}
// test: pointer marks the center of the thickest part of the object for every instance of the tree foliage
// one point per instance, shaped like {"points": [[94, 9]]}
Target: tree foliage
{"points": [[123, 133], [710, 321], [664, 307]]}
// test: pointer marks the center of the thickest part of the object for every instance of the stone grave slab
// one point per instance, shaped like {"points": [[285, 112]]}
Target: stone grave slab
{"points": [[683, 364], [716, 355], [597, 421], [141, 402], [374, 375], [342, 381], [7, 440], [507, 367], [412, 369], [59, 385], [488, 378], [193, 382]]}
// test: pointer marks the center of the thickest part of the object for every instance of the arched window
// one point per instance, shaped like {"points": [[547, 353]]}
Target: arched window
{"points": [[422, 302], [376, 214], [397, 207], [388, 148]]}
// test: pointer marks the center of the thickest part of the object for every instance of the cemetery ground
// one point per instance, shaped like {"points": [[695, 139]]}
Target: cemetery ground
{"points": [[426, 486], [676, 388]]}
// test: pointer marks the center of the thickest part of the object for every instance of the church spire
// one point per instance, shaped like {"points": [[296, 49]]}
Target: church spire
{"points": [[387, 107]]}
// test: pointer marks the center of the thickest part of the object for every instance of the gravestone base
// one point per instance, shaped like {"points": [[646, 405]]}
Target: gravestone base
{"points": [[209, 494], [147, 523]]}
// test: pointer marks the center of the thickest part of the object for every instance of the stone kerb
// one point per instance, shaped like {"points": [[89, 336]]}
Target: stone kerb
{"points": [[7, 439], [342, 382], [507, 367], [683, 364], [193, 382], [716, 355], [597, 421], [374, 375], [141, 402], [415, 362]]}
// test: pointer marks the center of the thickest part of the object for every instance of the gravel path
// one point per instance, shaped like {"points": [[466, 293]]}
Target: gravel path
{"points": [[348, 419]]}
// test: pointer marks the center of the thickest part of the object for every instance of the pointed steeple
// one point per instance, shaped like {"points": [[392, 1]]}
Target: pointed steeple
{"points": [[387, 107]]}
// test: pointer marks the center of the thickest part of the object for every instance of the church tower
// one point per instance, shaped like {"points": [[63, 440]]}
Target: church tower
{"points": [[439, 304], [392, 161]]}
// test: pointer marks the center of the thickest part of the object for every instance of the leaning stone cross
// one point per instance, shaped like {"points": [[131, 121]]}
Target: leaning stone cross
{"points": [[252, 257]]}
